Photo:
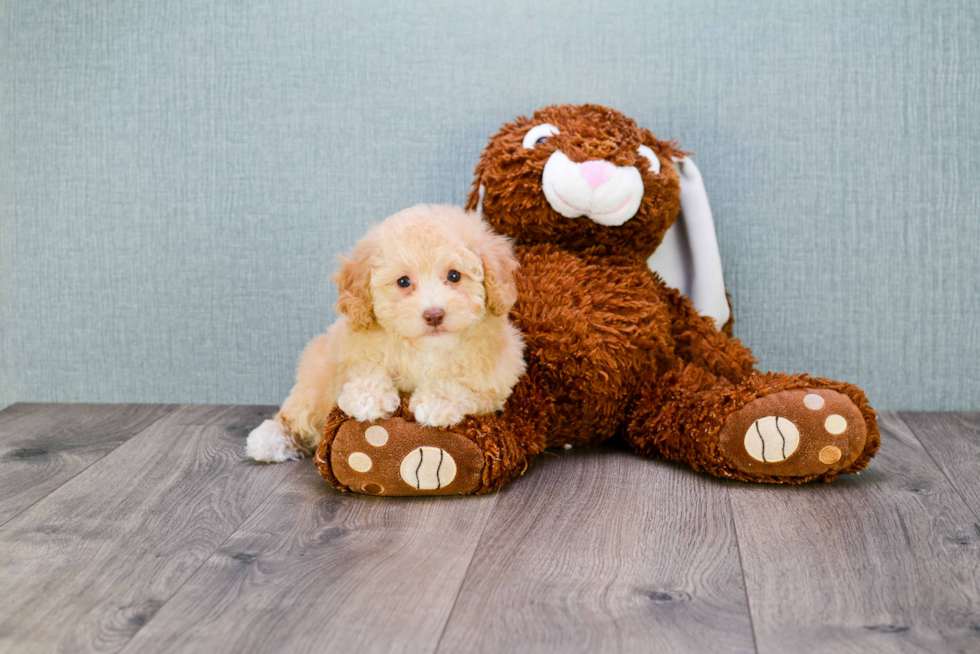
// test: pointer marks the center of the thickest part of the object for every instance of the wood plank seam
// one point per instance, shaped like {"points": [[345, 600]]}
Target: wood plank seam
{"points": [[942, 468], [377, 574], [118, 538], [169, 409], [204, 560], [741, 566], [601, 550], [469, 566]]}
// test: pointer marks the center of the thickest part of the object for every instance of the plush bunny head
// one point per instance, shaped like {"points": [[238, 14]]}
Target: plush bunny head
{"points": [[588, 178], [580, 177]]}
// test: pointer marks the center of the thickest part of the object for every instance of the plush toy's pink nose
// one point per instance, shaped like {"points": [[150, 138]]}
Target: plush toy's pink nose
{"points": [[597, 173]]}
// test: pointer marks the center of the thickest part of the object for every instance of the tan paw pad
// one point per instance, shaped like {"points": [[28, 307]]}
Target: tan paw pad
{"points": [[428, 468], [772, 439]]}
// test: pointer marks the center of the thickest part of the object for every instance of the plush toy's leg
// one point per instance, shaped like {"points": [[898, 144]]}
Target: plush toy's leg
{"points": [[398, 456], [767, 428], [699, 342]]}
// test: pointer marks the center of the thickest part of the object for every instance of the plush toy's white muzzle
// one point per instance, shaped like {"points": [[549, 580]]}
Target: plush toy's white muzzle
{"points": [[602, 192]]}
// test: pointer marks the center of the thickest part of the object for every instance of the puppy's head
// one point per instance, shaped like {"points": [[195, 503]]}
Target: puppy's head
{"points": [[427, 272]]}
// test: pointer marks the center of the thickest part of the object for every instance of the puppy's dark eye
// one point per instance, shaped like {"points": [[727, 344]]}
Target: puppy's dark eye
{"points": [[454, 276], [404, 282], [543, 139]]}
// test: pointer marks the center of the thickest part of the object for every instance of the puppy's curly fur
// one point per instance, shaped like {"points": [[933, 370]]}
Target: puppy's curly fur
{"points": [[424, 299]]}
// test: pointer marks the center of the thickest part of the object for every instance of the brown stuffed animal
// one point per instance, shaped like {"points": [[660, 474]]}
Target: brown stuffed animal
{"points": [[588, 196]]}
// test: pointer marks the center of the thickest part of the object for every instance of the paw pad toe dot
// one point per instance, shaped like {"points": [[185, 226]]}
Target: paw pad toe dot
{"points": [[376, 435], [835, 424], [830, 454], [813, 401], [359, 461]]}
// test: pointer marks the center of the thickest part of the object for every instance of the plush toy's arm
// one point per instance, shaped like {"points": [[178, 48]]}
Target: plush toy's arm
{"points": [[698, 341], [688, 258]]}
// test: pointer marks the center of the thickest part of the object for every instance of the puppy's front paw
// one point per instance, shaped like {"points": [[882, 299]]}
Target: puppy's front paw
{"points": [[435, 410], [271, 442], [367, 400]]}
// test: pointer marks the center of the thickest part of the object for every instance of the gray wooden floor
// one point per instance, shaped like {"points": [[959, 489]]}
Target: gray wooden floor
{"points": [[143, 528]]}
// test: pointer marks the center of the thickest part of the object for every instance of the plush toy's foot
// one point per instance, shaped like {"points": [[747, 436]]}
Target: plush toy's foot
{"points": [[398, 457], [796, 433]]}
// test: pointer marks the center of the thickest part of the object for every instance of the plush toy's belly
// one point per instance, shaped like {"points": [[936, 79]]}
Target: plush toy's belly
{"points": [[594, 327]]}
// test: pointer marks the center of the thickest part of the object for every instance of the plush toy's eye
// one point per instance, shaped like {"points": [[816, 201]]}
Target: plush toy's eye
{"points": [[404, 282], [539, 134], [454, 276], [652, 157]]}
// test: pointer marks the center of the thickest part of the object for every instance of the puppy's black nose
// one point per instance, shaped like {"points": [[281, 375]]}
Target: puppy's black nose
{"points": [[434, 316]]}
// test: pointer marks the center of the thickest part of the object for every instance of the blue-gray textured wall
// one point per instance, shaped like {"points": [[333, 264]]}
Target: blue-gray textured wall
{"points": [[176, 178]]}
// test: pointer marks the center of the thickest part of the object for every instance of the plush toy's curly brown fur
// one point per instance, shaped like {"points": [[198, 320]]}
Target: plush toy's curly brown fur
{"points": [[611, 350]]}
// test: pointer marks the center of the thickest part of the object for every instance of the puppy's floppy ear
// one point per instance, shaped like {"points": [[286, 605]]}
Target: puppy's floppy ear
{"points": [[499, 263], [354, 284]]}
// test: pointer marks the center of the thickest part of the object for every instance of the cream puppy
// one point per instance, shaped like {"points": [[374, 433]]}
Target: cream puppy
{"points": [[424, 299]]}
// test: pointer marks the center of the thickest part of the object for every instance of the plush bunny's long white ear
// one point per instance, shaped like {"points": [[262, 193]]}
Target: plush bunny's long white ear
{"points": [[479, 204], [688, 258]]}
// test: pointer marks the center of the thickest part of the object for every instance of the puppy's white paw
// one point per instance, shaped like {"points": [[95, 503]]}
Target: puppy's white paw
{"points": [[433, 410], [271, 442], [368, 399]]}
